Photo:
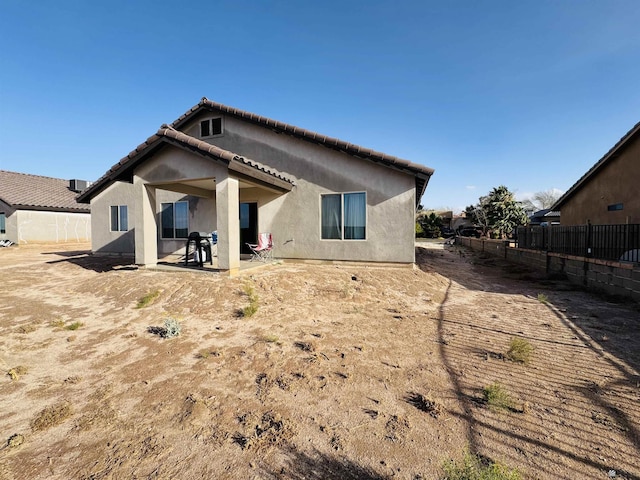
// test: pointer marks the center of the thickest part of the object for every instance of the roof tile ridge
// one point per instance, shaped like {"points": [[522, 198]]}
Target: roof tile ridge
{"points": [[33, 175]]}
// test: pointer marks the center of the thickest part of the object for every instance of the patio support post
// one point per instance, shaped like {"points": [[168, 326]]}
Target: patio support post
{"points": [[146, 231], [228, 224]]}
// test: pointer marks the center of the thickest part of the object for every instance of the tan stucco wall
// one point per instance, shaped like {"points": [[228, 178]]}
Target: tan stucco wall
{"points": [[33, 226], [294, 218], [102, 239], [173, 165], [202, 215], [617, 182]]}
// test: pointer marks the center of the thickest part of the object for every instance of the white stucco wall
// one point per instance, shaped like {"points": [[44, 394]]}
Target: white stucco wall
{"points": [[33, 226]]}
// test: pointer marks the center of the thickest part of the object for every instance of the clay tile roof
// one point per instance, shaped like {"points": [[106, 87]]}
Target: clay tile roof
{"points": [[167, 134], [34, 192], [308, 135], [220, 153]]}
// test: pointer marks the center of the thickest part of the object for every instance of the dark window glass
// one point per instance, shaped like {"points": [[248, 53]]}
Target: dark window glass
{"points": [[205, 130], [613, 208], [114, 218], [216, 126], [167, 220], [3, 223], [181, 213], [331, 217]]}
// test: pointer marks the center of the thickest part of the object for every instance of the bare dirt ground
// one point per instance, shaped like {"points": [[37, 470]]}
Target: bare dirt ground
{"points": [[343, 372]]}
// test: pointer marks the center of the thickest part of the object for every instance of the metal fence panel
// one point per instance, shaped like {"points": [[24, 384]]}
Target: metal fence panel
{"points": [[607, 242]]}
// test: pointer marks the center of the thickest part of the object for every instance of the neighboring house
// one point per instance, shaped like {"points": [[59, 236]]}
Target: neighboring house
{"points": [[35, 209], [544, 218], [608, 193], [217, 168]]}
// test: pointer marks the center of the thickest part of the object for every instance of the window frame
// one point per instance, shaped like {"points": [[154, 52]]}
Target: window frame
{"points": [[209, 122], [119, 222], [173, 221], [343, 217]]}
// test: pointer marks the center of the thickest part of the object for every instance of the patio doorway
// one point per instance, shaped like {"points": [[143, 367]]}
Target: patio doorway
{"points": [[248, 225]]}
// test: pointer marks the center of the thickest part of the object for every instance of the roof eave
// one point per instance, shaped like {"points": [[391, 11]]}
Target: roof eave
{"points": [[610, 155]]}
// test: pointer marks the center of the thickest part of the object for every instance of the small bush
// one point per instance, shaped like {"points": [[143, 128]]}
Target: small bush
{"points": [[252, 308], [16, 372], [497, 397], [148, 299], [74, 326], [57, 323], [51, 416], [473, 467], [520, 350], [171, 328], [268, 338], [542, 298]]}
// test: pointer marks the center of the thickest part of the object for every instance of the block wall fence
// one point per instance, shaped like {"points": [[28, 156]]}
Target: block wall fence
{"points": [[614, 278]]}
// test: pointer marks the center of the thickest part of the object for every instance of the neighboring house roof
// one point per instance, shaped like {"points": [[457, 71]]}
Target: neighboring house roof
{"points": [[421, 173], [168, 135], [33, 192], [613, 153], [544, 215]]}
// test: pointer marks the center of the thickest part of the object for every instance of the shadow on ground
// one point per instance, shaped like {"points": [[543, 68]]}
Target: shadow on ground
{"points": [[321, 466], [89, 261]]}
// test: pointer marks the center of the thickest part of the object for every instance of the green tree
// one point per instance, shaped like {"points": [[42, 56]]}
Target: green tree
{"points": [[498, 213], [430, 224]]}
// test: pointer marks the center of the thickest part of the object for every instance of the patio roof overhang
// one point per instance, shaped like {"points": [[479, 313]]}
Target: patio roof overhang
{"points": [[248, 171]]}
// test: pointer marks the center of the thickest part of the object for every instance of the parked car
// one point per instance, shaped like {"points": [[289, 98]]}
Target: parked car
{"points": [[470, 232], [447, 232]]}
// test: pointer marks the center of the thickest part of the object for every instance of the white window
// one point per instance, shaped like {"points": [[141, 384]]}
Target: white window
{"points": [[212, 127], [344, 216], [119, 218], [175, 220]]}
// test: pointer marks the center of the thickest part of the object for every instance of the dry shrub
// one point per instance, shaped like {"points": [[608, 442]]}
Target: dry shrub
{"points": [[18, 371], [520, 350], [425, 403], [52, 416], [497, 397], [474, 467], [270, 431]]}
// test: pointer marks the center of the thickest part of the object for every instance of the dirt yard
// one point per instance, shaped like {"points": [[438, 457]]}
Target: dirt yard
{"points": [[341, 373]]}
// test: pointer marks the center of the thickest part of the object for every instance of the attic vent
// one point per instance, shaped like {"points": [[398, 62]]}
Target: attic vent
{"points": [[78, 185]]}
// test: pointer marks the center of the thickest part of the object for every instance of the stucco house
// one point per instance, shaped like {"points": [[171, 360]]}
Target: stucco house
{"points": [[36, 209], [217, 168], [608, 193]]}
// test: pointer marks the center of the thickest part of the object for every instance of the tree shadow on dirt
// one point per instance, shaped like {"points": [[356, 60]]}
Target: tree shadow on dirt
{"points": [[599, 321], [321, 466], [610, 330], [88, 261]]}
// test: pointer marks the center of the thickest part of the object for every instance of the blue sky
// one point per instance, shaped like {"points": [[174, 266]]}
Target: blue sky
{"points": [[528, 94]]}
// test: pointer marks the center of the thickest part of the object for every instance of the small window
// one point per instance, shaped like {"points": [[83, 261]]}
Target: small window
{"points": [[344, 216], [614, 207], [175, 220], [211, 127], [119, 218], [3, 225]]}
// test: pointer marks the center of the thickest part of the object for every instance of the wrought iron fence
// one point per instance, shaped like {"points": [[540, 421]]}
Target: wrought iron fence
{"points": [[607, 242]]}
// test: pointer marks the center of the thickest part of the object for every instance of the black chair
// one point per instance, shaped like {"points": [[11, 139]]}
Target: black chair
{"points": [[198, 249]]}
